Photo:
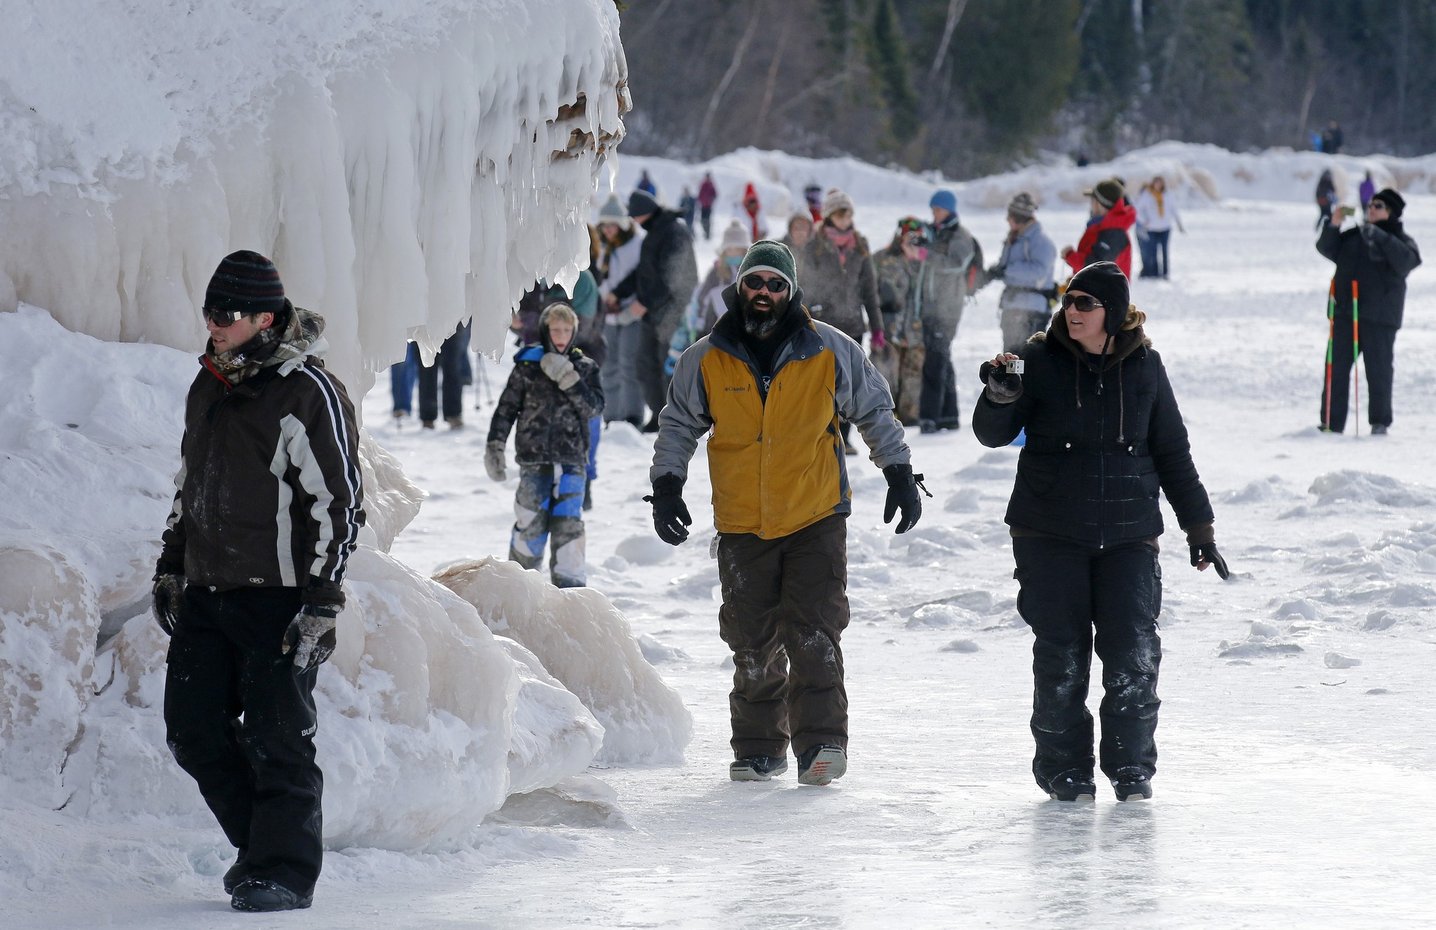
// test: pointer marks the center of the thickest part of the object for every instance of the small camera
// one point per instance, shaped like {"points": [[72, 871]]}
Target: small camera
{"points": [[1014, 367], [921, 240]]}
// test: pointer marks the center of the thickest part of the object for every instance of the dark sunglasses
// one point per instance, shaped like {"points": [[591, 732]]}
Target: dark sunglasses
{"points": [[754, 283], [1085, 303], [222, 318]]}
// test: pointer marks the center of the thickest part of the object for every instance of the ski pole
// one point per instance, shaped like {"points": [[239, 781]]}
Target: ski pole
{"points": [[1355, 358], [1330, 342]]}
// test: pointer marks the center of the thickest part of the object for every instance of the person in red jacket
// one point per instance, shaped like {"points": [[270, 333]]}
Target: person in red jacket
{"points": [[1105, 239]]}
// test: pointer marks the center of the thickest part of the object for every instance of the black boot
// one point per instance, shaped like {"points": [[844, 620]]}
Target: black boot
{"points": [[257, 894]]}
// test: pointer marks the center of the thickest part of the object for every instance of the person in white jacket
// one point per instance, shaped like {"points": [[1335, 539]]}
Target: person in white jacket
{"points": [[621, 241], [1156, 215]]}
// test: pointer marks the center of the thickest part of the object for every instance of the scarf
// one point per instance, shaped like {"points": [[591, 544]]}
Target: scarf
{"points": [[269, 348], [844, 240]]}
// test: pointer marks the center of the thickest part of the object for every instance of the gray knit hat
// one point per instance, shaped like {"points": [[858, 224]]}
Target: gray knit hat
{"points": [[767, 255], [1022, 207], [613, 212], [835, 200]]}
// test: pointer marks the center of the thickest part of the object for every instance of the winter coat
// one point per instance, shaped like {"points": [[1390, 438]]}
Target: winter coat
{"points": [[1106, 239], [1100, 444], [775, 450], [1153, 214], [269, 489], [900, 281], [841, 293], [1325, 191], [1378, 257], [1027, 261], [701, 314], [707, 194], [617, 266], [552, 423], [954, 271], [667, 269], [589, 336]]}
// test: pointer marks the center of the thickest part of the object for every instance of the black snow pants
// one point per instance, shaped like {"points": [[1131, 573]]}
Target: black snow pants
{"points": [[937, 403], [1378, 357], [785, 606], [1067, 591], [241, 721]]}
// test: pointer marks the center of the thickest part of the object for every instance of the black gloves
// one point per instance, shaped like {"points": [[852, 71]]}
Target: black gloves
{"points": [[1206, 554], [1003, 386], [310, 636], [670, 514], [902, 495], [169, 600]]}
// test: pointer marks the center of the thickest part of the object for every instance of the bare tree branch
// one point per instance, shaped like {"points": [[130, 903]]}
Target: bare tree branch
{"points": [[727, 79], [773, 71], [955, 10]]}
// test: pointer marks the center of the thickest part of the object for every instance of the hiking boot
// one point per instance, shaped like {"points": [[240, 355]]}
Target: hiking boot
{"points": [[588, 496], [1132, 786], [821, 764], [428, 424], [236, 874], [257, 894], [927, 427], [454, 422], [757, 768], [1378, 429], [1072, 785]]}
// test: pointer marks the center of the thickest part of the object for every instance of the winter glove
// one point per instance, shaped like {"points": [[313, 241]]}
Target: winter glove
{"points": [[902, 495], [670, 514], [310, 636], [494, 462], [1003, 386], [169, 601], [1204, 554], [996, 272], [560, 369], [880, 338]]}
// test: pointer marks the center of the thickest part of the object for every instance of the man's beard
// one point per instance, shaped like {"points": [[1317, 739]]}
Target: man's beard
{"points": [[760, 324]]}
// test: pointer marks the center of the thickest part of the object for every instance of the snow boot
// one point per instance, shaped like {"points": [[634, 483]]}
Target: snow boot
{"points": [[757, 768], [256, 894], [1132, 785], [236, 874], [821, 765], [1072, 785]]}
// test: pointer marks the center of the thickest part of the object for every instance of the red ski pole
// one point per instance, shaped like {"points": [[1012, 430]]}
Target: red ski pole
{"points": [[1330, 343], [1355, 358]]}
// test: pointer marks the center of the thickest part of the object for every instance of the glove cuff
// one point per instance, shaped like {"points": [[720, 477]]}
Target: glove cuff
{"points": [[325, 598], [899, 476], [669, 485], [1201, 535]]}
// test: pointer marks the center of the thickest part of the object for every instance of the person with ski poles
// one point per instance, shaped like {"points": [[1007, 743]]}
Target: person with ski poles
{"points": [[1372, 261], [770, 386], [1104, 436]]}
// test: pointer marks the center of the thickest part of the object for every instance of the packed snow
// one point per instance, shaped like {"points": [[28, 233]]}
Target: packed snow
{"points": [[501, 753]]}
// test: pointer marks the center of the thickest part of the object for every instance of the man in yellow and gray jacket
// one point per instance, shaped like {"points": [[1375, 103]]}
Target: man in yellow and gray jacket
{"points": [[772, 387]]}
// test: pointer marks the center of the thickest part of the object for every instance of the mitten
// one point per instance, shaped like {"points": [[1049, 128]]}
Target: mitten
{"points": [[880, 338], [494, 462], [168, 594], [1003, 386], [560, 368], [670, 515]]}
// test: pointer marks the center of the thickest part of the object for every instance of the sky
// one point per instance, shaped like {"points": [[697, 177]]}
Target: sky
{"points": [[500, 753]]}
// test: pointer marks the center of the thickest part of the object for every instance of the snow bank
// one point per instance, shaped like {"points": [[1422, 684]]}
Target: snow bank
{"points": [[406, 164], [588, 645], [427, 720]]}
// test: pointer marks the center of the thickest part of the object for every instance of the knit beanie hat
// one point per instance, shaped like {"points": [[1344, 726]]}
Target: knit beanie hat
{"points": [[1105, 281], [945, 199], [245, 282], [612, 212], [1022, 207], [767, 255], [734, 237], [1107, 192], [835, 200], [641, 203], [1395, 203]]}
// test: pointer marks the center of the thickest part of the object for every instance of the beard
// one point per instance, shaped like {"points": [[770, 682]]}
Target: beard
{"points": [[762, 313]]}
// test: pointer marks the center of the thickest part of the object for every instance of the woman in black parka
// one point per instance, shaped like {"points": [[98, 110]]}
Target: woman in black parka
{"points": [[1103, 436]]}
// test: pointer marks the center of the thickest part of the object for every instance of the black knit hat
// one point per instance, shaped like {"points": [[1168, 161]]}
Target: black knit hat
{"points": [[1395, 203], [641, 203], [245, 282], [1105, 281]]}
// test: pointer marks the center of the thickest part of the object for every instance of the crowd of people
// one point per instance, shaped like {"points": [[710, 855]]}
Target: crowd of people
{"points": [[779, 350]]}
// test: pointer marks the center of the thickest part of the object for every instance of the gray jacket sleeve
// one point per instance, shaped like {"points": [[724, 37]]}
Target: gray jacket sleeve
{"points": [[864, 398], [684, 418]]}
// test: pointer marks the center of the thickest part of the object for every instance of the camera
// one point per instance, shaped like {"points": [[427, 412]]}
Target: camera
{"points": [[1014, 367]]}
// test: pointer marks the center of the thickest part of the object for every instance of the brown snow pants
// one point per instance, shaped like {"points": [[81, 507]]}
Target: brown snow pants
{"points": [[785, 606]]}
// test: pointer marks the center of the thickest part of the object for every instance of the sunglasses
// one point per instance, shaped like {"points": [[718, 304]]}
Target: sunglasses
{"points": [[1085, 303], [1376, 205], [222, 318], [754, 283], [910, 224]]}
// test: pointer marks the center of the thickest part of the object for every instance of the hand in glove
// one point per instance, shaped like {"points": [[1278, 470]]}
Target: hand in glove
{"points": [[902, 495], [494, 461], [169, 601], [310, 636], [560, 368], [880, 338], [996, 272], [1204, 554], [670, 514], [1003, 386]]}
